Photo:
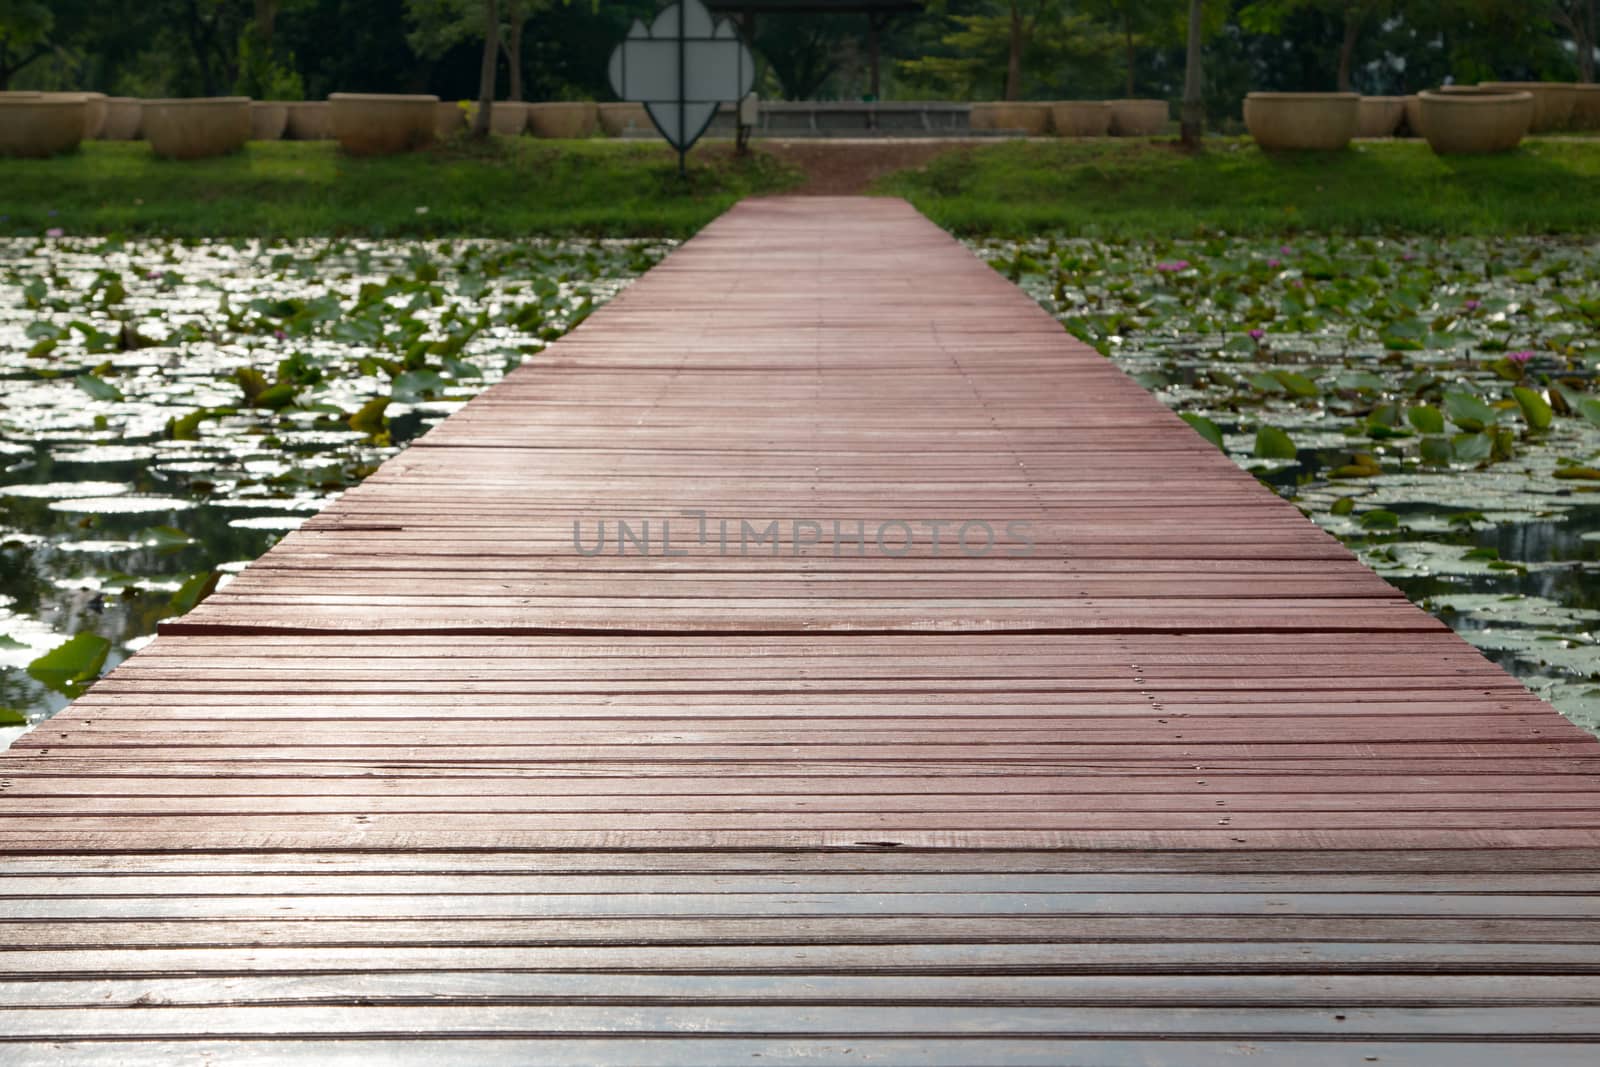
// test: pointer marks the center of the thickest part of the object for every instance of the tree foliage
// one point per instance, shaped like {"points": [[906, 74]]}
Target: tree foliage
{"points": [[961, 49]]}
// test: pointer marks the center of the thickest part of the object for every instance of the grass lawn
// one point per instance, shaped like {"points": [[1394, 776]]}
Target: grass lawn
{"points": [[1127, 188], [517, 187], [509, 188]]}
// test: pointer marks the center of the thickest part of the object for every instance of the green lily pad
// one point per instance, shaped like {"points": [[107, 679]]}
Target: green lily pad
{"points": [[1468, 411], [1535, 408], [1273, 443], [68, 666], [97, 387], [1202, 426]]}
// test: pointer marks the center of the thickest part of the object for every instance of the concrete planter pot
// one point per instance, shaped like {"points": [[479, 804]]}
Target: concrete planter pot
{"points": [[508, 118], [1139, 118], [1413, 124], [1081, 118], [197, 128], [124, 119], [623, 120], [308, 121], [1586, 107], [449, 120], [567, 121], [1553, 102], [1032, 120], [372, 124], [1317, 122], [1380, 116], [1476, 122], [38, 125], [94, 113], [268, 120]]}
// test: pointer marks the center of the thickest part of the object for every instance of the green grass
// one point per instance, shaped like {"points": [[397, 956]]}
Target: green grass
{"points": [[1150, 189], [520, 187], [507, 188]]}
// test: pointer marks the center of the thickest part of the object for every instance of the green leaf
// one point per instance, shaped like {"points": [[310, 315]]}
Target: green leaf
{"points": [[1405, 335], [252, 383], [187, 427], [1535, 408], [277, 397], [1426, 418], [98, 388], [1471, 447], [1436, 452], [1202, 426], [1343, 506], [1379, 519], [416, 385], [1589, 408], [67, 666], [12, 717], [1468, 411], [1273, 443], [1578, 473], [369, 419], [1266, 383], [1298, 384], [1360, 381], [167, 537], [1361, 465], [10, 643], [196, 589]]}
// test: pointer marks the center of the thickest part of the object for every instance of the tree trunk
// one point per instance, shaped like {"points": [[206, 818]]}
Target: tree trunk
{"points": [[1193, 122], [1353, 16], [11, 70], [266, 17], [486, 73], [198, 41], [513, 47], [1587, 41], [1014, 60]]}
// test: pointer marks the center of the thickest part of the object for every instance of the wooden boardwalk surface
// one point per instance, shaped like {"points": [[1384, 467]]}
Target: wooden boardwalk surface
{"points": [[1164, 777]]}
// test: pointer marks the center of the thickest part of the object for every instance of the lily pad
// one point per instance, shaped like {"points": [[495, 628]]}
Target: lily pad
{"points": [[68, 666]]}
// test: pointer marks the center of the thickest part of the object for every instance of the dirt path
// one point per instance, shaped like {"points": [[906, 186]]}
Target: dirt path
{"points": [[839, 167]]}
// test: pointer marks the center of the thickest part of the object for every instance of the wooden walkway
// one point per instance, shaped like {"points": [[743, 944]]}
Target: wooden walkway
{"points": [[1166, 777]]}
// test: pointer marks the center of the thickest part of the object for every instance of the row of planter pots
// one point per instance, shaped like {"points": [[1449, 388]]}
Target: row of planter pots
{"points": [[45, 124], [1491, 117], [1074, 118]]}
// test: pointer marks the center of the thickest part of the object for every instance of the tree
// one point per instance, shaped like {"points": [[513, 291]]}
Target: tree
{"points": [[1269, 17], [26, 35], [1581, 20], [1022, 23], [1136, 23], [1193, 116]]}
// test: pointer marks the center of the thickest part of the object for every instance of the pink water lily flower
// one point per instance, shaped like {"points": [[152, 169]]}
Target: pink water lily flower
{"points": [[55, 231], [1521, 359], [1257, 334], [1173, 267]]}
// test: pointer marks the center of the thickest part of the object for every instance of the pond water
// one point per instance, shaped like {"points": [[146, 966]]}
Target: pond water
{"points": [[1430, 402], [168, 409]]}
